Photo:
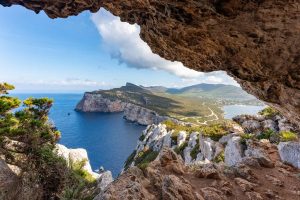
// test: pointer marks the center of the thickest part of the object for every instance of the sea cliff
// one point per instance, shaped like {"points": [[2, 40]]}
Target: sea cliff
{"points": [[94, 102]]}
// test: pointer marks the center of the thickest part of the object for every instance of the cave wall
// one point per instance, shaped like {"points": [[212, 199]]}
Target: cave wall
{"points": [[255, 41]]}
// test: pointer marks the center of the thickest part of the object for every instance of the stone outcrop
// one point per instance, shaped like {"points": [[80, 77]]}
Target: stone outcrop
{"points": [[233, 151], [168, 178], [93, 102], [290, 153], [256, 42], [72, 156]]}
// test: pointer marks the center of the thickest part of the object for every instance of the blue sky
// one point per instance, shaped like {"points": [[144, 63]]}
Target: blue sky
{"points": [[85, 52]]}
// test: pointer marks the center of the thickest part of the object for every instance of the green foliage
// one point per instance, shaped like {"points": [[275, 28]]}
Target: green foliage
{"points": [[4, 87], [245, 137], [129, 159], [214, 131], [80, 172], [142, 137], [145, 157], [286, 136], [266, 134], [47, 171], [268, 112], [195, 151], [179, 150], [220, 157]]}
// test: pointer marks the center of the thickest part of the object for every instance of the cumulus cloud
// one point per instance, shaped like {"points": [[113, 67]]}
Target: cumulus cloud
{"points": [[123, 42]]}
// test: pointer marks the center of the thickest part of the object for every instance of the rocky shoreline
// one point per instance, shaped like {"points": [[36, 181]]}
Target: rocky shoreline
{"points": [[93, 102]]}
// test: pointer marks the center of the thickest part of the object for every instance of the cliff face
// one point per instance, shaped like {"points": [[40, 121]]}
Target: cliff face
{"points": [[93, 102], [257, 42], [96, 103]]}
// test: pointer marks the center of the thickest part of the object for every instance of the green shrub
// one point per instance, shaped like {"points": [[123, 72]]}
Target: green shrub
{"points": [[129, 160], [220, 157], [268, 112], [286, 136], [195, 151], [179, 150], [142, 137], [245, 137], [145, 157], [215, 131], [266, 134]]}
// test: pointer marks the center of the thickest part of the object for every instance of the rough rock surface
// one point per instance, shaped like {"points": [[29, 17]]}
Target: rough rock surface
{"points": [[168, 178], [77, 155], [257, 42], [233, 151], [290, 152], [93, 102]]}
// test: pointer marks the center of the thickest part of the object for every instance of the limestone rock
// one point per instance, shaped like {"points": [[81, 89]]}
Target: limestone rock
{"points": [[207, 147], [104, 180], [251, 126], [233, 151], [269, 124], [181, 138], [290, 153]]}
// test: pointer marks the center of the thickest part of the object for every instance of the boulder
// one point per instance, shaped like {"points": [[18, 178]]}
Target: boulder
{"points": [[207, 147], [269, 124], [251, 126], [290, 153], [104, 180], [187, 155], [233, 151], [258, 153], [181, 138], [193, 139]]}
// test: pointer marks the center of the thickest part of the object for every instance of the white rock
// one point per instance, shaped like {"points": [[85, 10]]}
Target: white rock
{"points": [[290, 153], [104, 180], [251, 126], [283, 125], [193, 140], [224, 139], [181, 138], [167, 140], [187, 155], [269, 124], [74, 156], [199, 157], [206, 147], [233, 151]]}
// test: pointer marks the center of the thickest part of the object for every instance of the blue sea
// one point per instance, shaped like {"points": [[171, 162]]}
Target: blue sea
{"points": [[108, 138]]}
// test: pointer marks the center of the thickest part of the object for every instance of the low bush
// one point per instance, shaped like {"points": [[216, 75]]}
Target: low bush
{"points": [[195, 151], [179, 150], [266, 134], [220, 157], [145, 157], [129, 159], [286, 136], [268, 112]]}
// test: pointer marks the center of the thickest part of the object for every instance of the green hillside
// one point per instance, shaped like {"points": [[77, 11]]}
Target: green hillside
{"points": [[197, 104]]}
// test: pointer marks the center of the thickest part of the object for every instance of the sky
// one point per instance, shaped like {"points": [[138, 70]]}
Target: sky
{"points": [[83, 53]]}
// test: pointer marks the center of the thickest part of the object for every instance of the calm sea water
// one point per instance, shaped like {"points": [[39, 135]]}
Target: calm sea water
{"points": [[108, 138], [234, 110]]}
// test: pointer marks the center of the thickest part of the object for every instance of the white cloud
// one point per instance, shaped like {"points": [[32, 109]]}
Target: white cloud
{"points": [[123, 42]]}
